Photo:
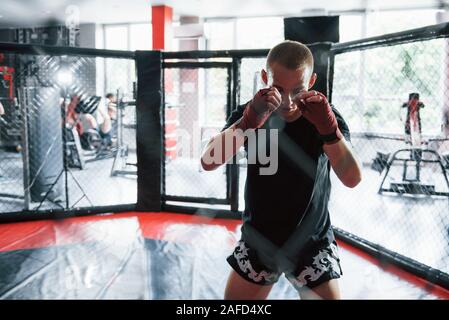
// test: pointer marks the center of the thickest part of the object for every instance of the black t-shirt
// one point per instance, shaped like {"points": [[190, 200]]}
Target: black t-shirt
{"points": [[289, 209]]}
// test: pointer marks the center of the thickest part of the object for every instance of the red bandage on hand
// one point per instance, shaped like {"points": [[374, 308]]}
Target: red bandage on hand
{"points": [[255, 113], [320, 114]]}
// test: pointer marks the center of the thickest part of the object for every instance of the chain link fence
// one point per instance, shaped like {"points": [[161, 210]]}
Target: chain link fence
{"points": [[196, 102], [63, 144], [395, 101]]}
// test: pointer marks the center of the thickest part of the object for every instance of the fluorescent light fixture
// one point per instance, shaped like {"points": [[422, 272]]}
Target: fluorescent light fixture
{"points": [[64, 77]]}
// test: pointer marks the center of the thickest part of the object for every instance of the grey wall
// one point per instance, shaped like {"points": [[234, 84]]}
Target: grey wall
{"points": [[87, 35]]}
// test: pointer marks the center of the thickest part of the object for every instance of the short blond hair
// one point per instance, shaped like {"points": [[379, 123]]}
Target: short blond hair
{"points": [[290, 54]]}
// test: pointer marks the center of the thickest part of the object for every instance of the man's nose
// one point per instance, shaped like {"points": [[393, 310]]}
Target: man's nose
{"points": [[286, 100]]}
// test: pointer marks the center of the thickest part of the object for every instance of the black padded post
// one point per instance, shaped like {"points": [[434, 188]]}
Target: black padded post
{"points": [[312, 29], [318, 33], [149, 130], [321, 54]]}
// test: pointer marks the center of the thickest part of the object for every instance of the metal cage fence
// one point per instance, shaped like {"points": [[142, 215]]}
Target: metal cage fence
{"points": [[196, 106], [371, 83], [393, 93], [61, 140]]}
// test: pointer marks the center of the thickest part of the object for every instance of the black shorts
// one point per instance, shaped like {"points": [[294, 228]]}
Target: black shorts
{"points": [[316, 267]]}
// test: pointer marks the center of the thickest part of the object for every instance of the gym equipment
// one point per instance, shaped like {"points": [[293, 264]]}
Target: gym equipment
{"points": [[41, 139], [411, 183], [7, 79], [90, 146], [120, 160], [10, 122], [67, 131], [88, 105], [69, 149], [412, 124], [75, 158], [411, 158]]}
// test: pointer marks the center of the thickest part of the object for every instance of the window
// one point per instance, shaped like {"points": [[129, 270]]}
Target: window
{"points": [[140, 36], [119, 73], [215, 95], [220, 34], [382, 22], [376, 23], [116, 37], [259, 33], [351, 27], [244, 33]]}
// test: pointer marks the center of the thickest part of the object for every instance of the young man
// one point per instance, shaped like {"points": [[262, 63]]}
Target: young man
{"points": [[111, 103], [286, 226], [86, 122]]}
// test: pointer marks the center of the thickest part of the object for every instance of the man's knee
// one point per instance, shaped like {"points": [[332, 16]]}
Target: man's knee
{"points": [[328, 290]]}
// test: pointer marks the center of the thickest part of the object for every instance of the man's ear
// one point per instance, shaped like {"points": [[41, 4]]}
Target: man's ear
{"points": [[264, 76], [312, 80]]}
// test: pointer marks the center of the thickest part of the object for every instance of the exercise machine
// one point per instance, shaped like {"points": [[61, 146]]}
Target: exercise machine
{"points": [[412, 158]]}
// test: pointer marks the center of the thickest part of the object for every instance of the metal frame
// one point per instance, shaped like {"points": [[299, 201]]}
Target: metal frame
{"points": [[426, 33], [200, 65], [27, 214], [178, 60], [198, 54], [385, 256], [122, 150], [25, 156], [63, 51], [414, 35], [410, 188], [420, 34]]}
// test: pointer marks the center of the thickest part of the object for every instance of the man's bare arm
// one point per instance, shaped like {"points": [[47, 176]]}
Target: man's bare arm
{"points": [[227, 143], [344, 163]]}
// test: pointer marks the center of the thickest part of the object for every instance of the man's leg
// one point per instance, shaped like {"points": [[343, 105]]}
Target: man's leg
{"points": [[316, 276], [106, 125], [328, 291], [238, 288], [90, 120]]}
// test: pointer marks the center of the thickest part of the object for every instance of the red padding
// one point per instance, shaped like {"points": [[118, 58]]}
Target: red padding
{"points": [[407, 276]]}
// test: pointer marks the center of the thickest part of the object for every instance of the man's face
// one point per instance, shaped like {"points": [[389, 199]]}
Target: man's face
{"points": [[289, 83]]}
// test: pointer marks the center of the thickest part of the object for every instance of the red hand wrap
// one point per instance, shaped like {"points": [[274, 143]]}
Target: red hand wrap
{"points": [[251, 119], [320, 114]]}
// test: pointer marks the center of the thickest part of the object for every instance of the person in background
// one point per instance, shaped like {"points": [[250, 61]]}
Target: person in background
{"points": [[111, 103]]}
